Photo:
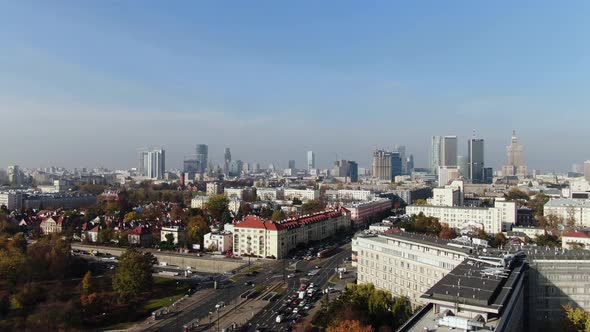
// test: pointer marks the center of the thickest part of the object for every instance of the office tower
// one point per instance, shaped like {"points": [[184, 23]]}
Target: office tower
{"points": [[587, 170], [434, 155], [488, 175], [448, 151], [410, 164], [401, 149], [396, 165], [514, 162], [190, 166], [291, 164], [256, 168], [153, 163], [141, 170], [310, 160], [578, 168], [235, 168], [226, 161], [386, 165], [202, 157], [462, 166], [475, 160], [353, 171]]}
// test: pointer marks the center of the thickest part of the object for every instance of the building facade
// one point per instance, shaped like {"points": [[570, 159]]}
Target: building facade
{"points": [[363, 213], [475, 160], [576, 211], [302, 194], [514, 161]]}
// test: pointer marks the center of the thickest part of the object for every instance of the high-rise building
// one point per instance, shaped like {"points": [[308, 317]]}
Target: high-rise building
{"points": [[152, 163], [587, 170], [190, 167], [310, 160], [386, 165], [226, 161], [410, 164], [291, 164], [235, 168], [401, 149], [448, 151], [462, 165], [475, 159], [202, 157], [434, 155], [15, 175], [353, 171], [346, 169], [514, 162]]}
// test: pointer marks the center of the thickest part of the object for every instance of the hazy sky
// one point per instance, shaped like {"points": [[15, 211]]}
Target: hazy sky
{"points": [[86, 83]]}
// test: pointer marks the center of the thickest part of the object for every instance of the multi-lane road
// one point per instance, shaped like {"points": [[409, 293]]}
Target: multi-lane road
{"points": [[267, 318]]}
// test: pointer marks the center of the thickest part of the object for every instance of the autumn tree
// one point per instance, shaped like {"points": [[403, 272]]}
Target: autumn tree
{"points": [[130, 216], [312, 206], [278, 215], [447, 233], [196, 230], [576, 319], [216, 205], [349, 326], [420, 201], [133, 274]]}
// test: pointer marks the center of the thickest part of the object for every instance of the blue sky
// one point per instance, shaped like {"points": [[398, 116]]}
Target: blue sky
{"points": [[85, 83]]}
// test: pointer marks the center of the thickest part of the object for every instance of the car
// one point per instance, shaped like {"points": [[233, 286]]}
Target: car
{"points": [[295, 302], [317, 266], [249, 283], [296, 310], [311, 285], [307, 307], [330, 288], [220, 305], [303, 287], [291, 275]]}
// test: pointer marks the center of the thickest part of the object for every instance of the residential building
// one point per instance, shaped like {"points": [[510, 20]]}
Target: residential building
{"points": [[13, 200], [575, 240], [576, 211], [220, 241], [234, 192], [269, 194], [401, 150], [354, 195], [274, 239], [493, 220], [176, 231], [52, 225], [141, 236], [57, 200], [447, 196], [15, 175], [514, 161], [475, 159], [234, 204], [302, 194], [530, 231], [199, 202], [365, 212], [404, 264], [214, 188]]}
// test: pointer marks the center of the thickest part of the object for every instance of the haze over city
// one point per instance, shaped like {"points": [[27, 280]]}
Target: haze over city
{"points": [[272, 80]]}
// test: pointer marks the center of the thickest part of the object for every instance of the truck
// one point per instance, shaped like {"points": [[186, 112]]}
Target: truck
{"points": [[301, 295]]}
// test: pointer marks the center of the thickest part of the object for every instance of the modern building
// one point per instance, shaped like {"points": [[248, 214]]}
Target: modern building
{"points": [[448, 151], [386, 165], [226, 161], [254, 236], [15, 175], [410, 164], [152, 163], [235, 168], [269, 194], [575, 211], [364, 213], [202, 157], [401, 150], [475, 160], [447, 174], [493, 220], [291, 164], [434, 161], [346, 169], [13, 200], [310, 160], [514, 161]]}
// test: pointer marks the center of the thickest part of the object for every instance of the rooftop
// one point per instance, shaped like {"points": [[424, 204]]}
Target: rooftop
{"points": [[252, 221], [561, 202]]}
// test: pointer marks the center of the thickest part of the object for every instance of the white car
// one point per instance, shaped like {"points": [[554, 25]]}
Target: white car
{"points": [[291, 275], [219, 305], [296, 310]]}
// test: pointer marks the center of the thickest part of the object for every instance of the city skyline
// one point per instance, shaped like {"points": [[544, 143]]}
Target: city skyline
{"points": [[154, 79]]}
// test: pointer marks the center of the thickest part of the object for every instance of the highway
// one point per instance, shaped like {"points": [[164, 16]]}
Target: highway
{"points": [[267, 318]]}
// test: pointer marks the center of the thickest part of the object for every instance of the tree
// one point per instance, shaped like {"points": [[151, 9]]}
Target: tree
{"points": [[517, 195], [87, 287], [550, 221], [169, 238], [547, 240], [420, 202], [500, 239], [133, 274], [130, 216], [178, 213], [19, 242], [576, 319], [537, 203], [197, 228], [312, 206], [226, 217], [297, 201], [349, 326], [216, 205], [447, 233], [265, 212], [278, 215], [105, 235], [480, 233]]}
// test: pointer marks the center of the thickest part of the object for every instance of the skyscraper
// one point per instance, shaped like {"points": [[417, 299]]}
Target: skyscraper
{"points": [[475, 160], [587, 170], [386, 165], [434, 155], [15, 175], [410, 164], [401, 149], [291, 164], [202, 157], [310, 160], [448, 151], [226, 161], [152, 163], [514, 162]]}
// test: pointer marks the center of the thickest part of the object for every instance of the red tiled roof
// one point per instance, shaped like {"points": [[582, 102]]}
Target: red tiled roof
{"points": [[576, 234], [259, 223], [139, 230]]}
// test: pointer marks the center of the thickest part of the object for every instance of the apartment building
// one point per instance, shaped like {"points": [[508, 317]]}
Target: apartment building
{"points": [[577, 210], [493, 220], [274, 239], [199, 202], [218, 241], [405, 264], [362, 213], [355, 195], [269, 194], [302, 194]]}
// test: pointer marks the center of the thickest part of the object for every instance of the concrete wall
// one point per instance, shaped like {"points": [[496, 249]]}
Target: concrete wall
{"points": [[200, 264]]}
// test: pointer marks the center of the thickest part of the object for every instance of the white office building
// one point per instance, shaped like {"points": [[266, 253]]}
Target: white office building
{"points": [[302, 194]]}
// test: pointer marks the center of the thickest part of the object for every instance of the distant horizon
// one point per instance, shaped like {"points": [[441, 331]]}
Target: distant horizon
{"points": [[86, 85]]}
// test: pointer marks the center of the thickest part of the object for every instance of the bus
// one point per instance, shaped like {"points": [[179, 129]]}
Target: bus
{"points": [[327, 252]]}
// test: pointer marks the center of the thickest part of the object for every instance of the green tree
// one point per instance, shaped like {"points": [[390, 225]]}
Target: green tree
{"points": [[420, 201], [216, 205], [197, 228], [312, 206], [278, 215], [133, 274], [130, 216]]}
